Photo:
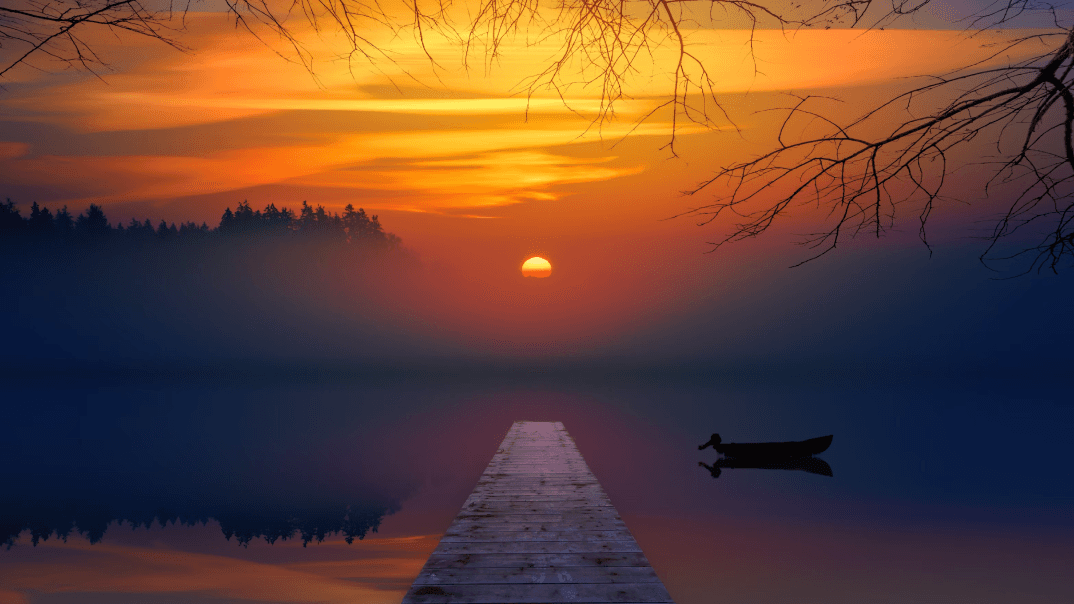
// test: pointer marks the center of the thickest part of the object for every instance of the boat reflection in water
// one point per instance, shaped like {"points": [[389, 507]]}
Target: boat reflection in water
{"points": [[812, 465], [791, 455]]}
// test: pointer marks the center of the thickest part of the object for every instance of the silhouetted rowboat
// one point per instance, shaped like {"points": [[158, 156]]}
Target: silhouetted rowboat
{"points": [[778, 450]]}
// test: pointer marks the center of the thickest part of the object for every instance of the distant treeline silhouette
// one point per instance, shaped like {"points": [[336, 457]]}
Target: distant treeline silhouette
{"points": [[264, 284], [42, 225]]}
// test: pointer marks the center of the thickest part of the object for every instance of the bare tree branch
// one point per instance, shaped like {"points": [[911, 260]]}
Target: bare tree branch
{"points": [[54, 28], [863, 170]]}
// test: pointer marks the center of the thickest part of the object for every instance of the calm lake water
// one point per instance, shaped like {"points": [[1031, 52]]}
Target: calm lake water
{"points": [[944, 489]]}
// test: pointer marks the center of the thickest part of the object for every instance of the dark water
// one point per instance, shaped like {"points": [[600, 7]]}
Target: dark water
{"points": [[944, 488]]}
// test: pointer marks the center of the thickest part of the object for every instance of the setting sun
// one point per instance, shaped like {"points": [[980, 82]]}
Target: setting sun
{"points": [[536, 267]]}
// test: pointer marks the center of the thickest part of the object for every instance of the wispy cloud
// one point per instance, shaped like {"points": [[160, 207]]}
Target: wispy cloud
{"points": [[479, 143]]}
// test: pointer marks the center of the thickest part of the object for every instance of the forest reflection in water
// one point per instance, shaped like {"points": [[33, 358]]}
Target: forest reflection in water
{"points": [[388, 463]]}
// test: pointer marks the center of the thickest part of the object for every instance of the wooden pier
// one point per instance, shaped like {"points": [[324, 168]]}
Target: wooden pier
{"points": [[538, 528]]}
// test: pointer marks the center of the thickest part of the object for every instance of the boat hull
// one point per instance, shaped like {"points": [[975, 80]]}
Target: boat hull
{"points": [[779, 450]]}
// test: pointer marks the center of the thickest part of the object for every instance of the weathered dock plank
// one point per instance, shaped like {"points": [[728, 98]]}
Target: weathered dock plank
{"points": [[531, 526], [538, 528], [582, 574], [560, 588], [565, 534], [536, 547], [534, 560]]}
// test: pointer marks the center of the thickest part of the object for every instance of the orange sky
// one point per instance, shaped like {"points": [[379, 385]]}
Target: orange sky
{"points": [[447, 157], [232, 115]]}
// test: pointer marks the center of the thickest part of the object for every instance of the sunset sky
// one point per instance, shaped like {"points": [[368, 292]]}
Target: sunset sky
{"points": [[472, 175], [174, 135], [268, 382]]}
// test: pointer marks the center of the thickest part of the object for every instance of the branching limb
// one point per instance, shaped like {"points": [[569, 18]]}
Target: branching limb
{"points": [[864, 170]]}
